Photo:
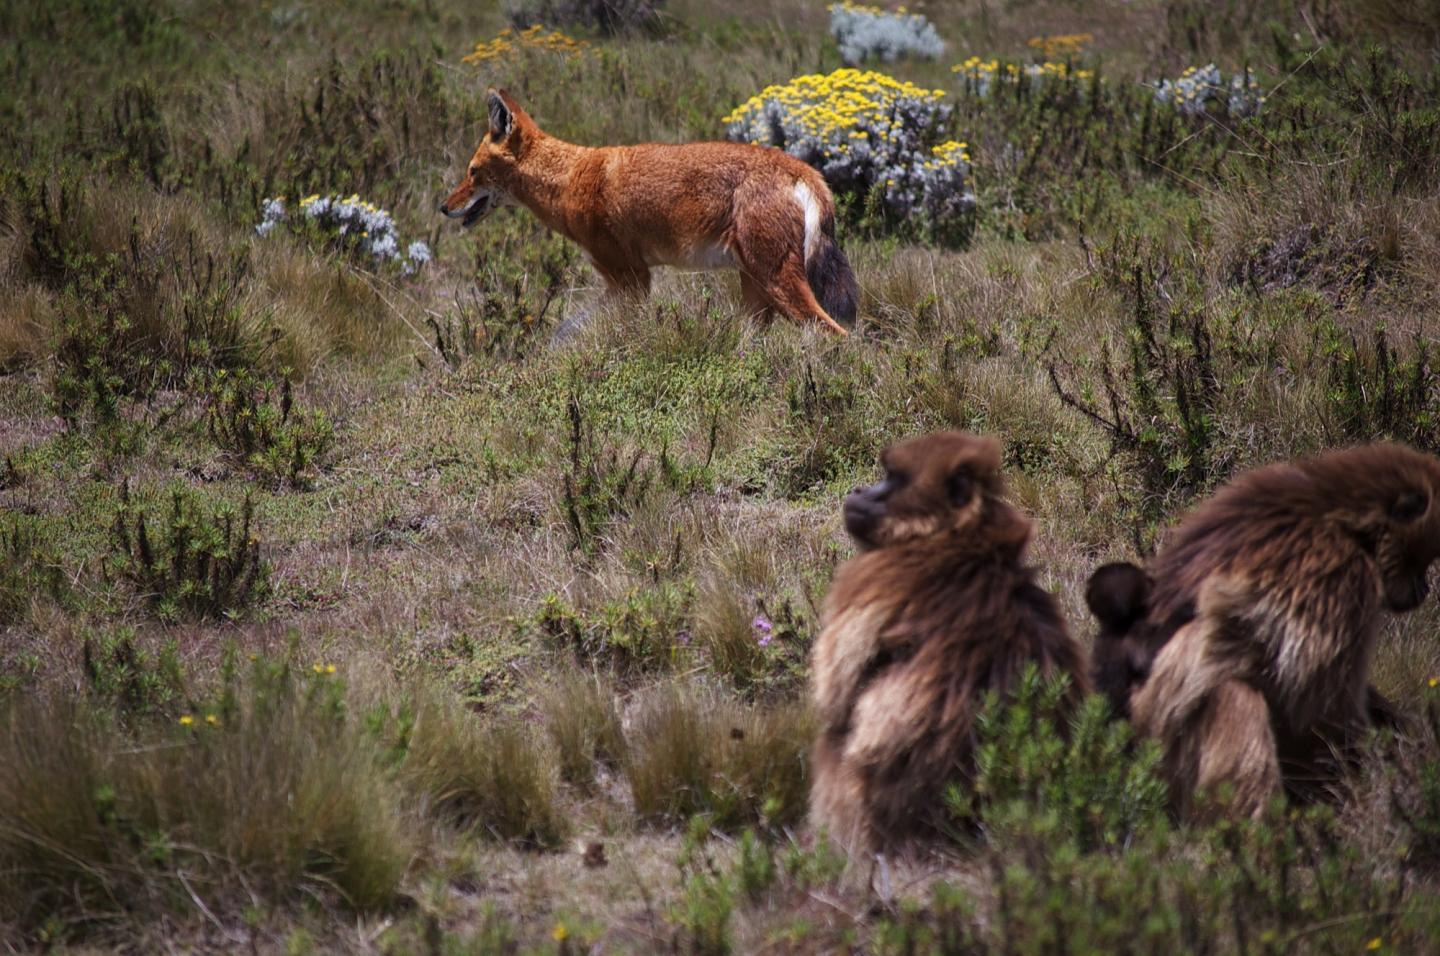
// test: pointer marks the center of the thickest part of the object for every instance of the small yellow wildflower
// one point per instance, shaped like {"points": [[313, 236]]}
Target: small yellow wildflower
{"points": [[212, 720], [1068, 44], [560, 933], [187, 720], [1434, 682], [318, 668], [1374, 944], [329, 668]]}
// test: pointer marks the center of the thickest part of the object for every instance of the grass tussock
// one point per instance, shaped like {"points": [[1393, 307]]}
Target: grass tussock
{"points": [[493, 777], [272, 789], [582, 720], [693, 751]]}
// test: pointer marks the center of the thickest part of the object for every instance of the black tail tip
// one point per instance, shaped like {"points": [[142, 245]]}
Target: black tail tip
{"points": [[833, 282]]}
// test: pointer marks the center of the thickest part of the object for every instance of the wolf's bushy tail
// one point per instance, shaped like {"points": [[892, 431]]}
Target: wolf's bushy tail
{"points": [[830, 276]]}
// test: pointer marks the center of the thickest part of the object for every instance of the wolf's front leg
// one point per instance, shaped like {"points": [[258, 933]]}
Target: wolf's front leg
{"points": [[622, 288]]}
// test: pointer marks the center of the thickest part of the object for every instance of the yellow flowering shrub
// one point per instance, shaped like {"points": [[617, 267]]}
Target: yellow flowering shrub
{"points": [[865, 132], [536, 38]]}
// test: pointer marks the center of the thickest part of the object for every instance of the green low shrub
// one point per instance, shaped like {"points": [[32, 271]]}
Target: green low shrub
{"points": [[199, 561], [1084, 773], [133, 680], [29, 568], [638, 633], [264, 431]]}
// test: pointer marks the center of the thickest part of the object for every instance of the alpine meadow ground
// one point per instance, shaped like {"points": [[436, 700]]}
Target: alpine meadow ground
{"points": [[340, 610]]}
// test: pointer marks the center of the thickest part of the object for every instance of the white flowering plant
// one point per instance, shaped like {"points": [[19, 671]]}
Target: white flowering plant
{"points": [[873, 137], [864, 33], [351, 222], [1204, 89]]}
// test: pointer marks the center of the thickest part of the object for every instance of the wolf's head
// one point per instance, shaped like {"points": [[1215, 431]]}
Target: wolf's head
{"points": [[483, 188]]}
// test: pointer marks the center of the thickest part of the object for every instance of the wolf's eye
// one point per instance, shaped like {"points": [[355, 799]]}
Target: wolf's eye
{"points": [[474, 172]]}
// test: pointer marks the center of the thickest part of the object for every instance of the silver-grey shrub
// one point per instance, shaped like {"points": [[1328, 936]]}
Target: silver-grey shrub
{"points": [[864, 33], [1193, 91]]}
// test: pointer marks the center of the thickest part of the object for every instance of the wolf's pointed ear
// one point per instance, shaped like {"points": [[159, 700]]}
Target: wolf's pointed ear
{"points": [[502, 120]]}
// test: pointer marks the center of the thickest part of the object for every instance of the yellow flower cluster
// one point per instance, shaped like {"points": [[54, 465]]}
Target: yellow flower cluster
{"points": [[863, 8], [979, 69], [844, 100], [1063, 45], [507, 42], [351, 200], [981, 76], [948, 154]]}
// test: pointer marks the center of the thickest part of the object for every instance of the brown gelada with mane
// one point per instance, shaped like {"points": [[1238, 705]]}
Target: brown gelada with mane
{"points": [[936, 609], [1246, 649]]}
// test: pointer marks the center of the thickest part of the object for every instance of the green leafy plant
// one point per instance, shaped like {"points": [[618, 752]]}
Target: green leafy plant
{"points": [[200, 561], [266, 432], [29, 568], [1376, 393], [136, 682], [1084, 773]]}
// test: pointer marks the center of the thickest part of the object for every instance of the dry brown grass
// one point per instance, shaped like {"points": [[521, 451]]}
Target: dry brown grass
{"points": [[582, 720], [693, 751], [281, 794]]}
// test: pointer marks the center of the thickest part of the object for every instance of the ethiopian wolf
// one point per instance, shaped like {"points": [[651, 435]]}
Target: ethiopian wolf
{"points": [[693, 205]]}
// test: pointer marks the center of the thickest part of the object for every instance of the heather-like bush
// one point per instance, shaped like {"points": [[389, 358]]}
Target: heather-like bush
{"points": [[864, 33], [264, 431], [200, 561]]}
